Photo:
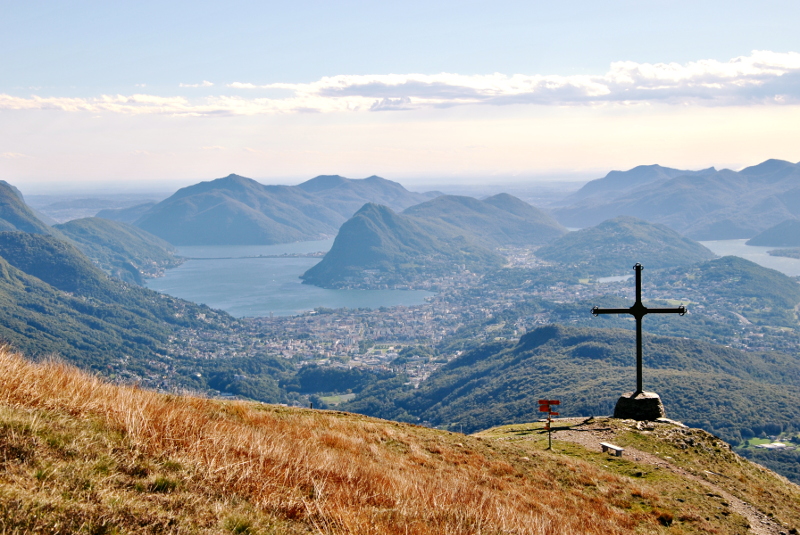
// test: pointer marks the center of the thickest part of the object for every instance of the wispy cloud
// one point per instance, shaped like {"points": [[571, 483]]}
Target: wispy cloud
{"points": [[760, 78], [13, 155], [204, 83]]}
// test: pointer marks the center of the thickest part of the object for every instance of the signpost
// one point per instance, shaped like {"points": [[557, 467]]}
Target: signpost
{"points": [[546, 405]]}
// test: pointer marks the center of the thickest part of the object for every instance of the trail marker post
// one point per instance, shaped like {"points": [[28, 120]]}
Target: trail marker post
{"points": [[639, 405], [545, 405]]}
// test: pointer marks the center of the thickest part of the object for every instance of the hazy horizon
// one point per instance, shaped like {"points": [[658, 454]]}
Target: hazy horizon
{"points": [[144, 96]]}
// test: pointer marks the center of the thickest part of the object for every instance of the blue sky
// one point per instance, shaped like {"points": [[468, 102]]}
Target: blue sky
{"points": [[422, 92]]}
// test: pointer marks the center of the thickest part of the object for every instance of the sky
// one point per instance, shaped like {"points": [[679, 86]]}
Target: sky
{"points": [[155, 95]]}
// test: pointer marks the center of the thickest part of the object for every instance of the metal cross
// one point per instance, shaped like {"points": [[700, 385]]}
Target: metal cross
{"points": [[638, 311]]}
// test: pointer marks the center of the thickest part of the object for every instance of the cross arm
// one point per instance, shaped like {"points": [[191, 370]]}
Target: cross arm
{"points": [[598, 310], [679, 310]]}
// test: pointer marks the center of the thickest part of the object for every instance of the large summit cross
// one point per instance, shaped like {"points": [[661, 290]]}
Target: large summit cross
{"points": [[638, 311]]}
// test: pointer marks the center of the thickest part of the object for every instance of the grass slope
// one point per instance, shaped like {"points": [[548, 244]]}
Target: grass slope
{"points": [[83, 455], [614, 246], [121, 250]]}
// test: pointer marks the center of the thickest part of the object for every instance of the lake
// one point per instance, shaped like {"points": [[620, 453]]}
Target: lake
{"points": [[244, 282]]}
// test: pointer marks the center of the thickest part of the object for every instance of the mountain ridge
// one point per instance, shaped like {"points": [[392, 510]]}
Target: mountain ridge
{"points": [[235, 210], [704, 205]]}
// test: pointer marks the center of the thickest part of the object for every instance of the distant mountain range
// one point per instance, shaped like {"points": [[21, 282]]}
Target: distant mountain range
{"points": [[439, 237], [704, 205], [498, 221], [614, 246], [240, 211]]}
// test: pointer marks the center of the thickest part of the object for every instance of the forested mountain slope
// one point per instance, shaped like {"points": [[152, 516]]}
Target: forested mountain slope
{"points": [[614, 246], [121, 250], [55, 301], [701, 384], [397, 248]]}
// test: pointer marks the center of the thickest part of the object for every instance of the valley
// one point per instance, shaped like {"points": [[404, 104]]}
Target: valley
{"points": [[496, 274]]}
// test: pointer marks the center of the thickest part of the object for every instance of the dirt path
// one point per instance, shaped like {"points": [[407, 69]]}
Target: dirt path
{"points": [[591, 435]]}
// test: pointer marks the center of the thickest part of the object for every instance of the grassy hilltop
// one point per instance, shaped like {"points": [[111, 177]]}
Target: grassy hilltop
{"points": [[81, 455]]}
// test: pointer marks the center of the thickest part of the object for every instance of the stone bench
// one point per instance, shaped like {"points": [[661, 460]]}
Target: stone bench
{"points": [[616, 450]]}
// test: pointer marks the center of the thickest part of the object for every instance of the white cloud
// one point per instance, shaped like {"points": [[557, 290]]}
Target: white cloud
{"points": [[240, 85], [204, 83], [763, 77], [13, 155]]}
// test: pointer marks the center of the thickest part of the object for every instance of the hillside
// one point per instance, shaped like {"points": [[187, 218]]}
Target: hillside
{"points": [[57, 263], [240, 211], [83, 455], [761, 295], [126, 215], [588, 369], [54, 301], [706, 205], [499, 220], [396, 248], [784, 234], [614, 246], [15, 214], [121, 250]]}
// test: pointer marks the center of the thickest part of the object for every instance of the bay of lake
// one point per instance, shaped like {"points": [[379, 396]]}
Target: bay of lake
{"points": [[244, 281], [757, 254]]}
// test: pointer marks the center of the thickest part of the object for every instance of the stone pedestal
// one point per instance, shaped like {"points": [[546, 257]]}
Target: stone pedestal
{"points": [[642, 406]]}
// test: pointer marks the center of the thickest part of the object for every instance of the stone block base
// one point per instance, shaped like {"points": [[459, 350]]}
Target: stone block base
{"points": [[642, 406]]}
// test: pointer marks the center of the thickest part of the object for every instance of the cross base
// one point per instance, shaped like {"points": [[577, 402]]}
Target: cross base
{"points": [[639, 406]]}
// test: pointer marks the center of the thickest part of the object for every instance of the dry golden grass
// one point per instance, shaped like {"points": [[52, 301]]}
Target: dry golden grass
{"points": [[79, 454]]}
